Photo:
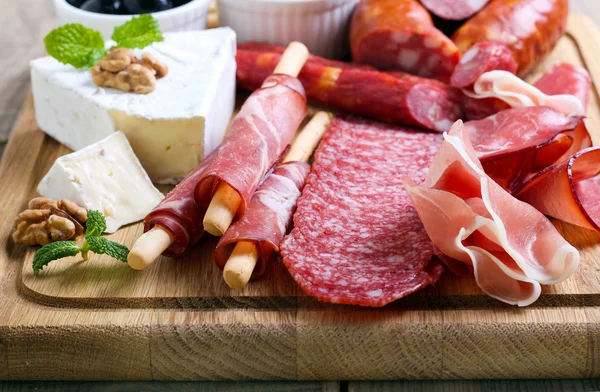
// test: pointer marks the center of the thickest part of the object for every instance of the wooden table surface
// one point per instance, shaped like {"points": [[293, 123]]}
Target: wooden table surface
{"points": [[23, 24]]}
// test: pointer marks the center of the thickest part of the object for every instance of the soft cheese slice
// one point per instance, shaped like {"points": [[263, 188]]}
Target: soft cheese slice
{"points": [[171, 129], [106, 176]]}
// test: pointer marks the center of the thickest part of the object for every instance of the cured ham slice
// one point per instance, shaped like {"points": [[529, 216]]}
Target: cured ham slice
{"points": [[258, 136], [512, 247], [514, 143], [568, 191], [566, 79], [515, 92], [269, 214], [356, 237]]}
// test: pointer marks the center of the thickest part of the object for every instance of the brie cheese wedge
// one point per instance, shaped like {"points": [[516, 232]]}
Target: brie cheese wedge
{"points": [[106, 176], [171, 129]]}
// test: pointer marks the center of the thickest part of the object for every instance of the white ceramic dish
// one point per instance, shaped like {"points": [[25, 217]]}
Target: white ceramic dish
{"points": [[322, 25], [191, 16]]}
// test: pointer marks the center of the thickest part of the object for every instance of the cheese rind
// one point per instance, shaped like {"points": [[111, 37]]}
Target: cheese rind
{"points": [[105, 176], [171, 129]]}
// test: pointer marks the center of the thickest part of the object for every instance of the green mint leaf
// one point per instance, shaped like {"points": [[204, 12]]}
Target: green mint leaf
{"points": [[95, 225], [53, 251], [138, 32], [76, 45], [101, 245]]}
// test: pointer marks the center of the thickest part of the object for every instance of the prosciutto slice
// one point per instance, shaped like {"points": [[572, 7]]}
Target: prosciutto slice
{"points": [[566, 79], [568, 191], [515, 92], [268, 217], [514, 143], [179, 214], [258, 136], [512, 247]]}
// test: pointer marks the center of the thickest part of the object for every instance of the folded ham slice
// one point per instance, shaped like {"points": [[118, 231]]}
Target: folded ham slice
{"points": [[516, 92], [566, 79], [515, 143], [568, 191], [512, 247]]}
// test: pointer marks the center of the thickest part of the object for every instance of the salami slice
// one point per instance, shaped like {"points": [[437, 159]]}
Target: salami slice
{"points": [[356, 239], [529, 28], [269, 215], [568, 191], [481, 58], [396, 98], [454, 9], [258, 136], [400, 35], [512, 247]]}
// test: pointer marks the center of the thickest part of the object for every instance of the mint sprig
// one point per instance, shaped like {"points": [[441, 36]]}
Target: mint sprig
{"points": [[76, 45], [138, 32], [95, 226], [82, 47]]}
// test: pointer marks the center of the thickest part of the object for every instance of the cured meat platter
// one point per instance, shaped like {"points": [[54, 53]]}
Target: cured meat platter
{"points": [[178, 320]]}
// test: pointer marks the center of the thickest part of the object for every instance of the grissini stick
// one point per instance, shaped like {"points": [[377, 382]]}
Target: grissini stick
{"points": [[226, 201], [243, 259], [274, 111]]}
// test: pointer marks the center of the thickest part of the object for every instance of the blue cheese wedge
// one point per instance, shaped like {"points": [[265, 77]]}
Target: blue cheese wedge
{"points": [[171, 129], [105, 176]]}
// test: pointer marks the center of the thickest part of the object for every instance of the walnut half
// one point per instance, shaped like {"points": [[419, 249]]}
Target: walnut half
{"points": [[48, 220], [121, 69]]}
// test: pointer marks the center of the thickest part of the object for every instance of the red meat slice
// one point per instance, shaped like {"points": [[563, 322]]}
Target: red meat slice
{"points": [[356, 237]]}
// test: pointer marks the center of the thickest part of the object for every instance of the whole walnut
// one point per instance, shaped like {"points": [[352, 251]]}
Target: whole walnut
{"points": [[48, 220]]}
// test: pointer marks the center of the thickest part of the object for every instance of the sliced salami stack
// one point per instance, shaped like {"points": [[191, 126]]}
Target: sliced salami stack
{"points": [[356, 238]]}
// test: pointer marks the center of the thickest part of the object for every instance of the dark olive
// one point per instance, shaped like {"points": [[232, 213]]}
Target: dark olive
{"points": [[76, 3], [177, 3], [147, 6], [103, 6]]}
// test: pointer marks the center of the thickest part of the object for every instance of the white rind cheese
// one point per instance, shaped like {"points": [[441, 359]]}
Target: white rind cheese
{"points": [[171, 129], [105, 176]]}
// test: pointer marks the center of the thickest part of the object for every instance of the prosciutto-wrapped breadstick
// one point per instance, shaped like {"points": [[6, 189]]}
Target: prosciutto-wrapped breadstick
{"points": [[259, 134], [246, 247], [224, 182]]}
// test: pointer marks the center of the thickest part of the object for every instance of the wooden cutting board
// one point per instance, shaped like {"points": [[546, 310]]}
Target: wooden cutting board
{"points": [[178, 320]]}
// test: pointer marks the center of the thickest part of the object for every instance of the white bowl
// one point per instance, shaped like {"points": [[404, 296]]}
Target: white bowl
{"points": [[322, 25], [190, 16]]}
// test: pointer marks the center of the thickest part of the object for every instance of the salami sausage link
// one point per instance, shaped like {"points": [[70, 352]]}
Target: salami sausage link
{"points": [[529, 28], [400, 35], [396, 98], [481, 58], [454, 9]]}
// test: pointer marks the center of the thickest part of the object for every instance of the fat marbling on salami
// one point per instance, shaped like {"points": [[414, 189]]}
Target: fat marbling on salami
{"points": [[356, 237]]}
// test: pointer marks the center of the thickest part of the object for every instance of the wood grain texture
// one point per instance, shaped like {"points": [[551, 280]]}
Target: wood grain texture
{"points": [[17, 386], [477, 386], [189, 326]]}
